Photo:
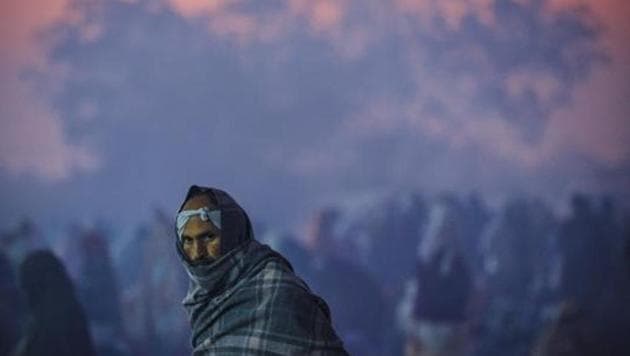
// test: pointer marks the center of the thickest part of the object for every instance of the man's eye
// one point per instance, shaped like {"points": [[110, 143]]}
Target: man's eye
{"points": [[187, 240]]}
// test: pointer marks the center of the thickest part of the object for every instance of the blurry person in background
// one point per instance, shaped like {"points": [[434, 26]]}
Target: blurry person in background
{"points": [[626, 245], [244, 298], [17, 242], [10, 307], [571, 334], [354, 296], [585, 255], [98, 292], [437, 311], [56, 322], [151, 290]]}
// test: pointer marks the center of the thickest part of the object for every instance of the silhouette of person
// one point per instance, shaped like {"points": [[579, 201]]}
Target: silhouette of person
{"points": [[56, 322], [10, 307]]}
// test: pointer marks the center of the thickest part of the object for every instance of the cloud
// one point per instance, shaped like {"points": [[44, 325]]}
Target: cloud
{"points": [[21, 22], [597, 121], [33, 138], [271, 22], [550, 108], [308, 99], [320, 15], [450, 13]]}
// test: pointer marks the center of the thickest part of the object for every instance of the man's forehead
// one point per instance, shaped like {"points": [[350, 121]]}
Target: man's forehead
{"points": [[195, 224]]}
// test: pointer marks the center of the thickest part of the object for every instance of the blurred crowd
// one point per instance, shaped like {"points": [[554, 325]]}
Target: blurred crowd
{"points": [[403, 275]]}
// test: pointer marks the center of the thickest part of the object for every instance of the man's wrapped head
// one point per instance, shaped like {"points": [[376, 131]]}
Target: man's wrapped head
{"points": [[210, 224]]}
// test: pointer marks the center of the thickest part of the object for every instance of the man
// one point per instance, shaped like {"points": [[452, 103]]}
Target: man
{"points": [[243, 297]]}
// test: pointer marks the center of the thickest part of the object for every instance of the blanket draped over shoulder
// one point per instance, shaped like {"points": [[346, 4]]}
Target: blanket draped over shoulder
{"points": [[249, 301]]}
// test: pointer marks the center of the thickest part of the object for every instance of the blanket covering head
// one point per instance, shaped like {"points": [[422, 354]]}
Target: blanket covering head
{"points": [[249, 301]]}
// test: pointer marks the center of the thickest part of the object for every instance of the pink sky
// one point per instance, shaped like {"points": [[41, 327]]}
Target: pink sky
{"points": [[32, 138], [594, 124]]}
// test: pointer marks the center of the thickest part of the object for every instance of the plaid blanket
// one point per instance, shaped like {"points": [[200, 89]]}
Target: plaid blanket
{"points": [[250, 302]]}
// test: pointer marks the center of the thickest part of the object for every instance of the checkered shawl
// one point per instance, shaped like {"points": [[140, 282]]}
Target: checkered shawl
{"points": [[256, 306], [249, 301]]}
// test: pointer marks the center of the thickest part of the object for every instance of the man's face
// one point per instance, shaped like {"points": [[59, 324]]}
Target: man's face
{"points": [[200, 239]]}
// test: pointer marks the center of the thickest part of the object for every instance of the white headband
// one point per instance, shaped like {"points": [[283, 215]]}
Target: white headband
{"points": [[204, 213]]}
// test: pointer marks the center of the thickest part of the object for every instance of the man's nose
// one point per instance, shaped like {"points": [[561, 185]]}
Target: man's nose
{"points": [[199, 251]]}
